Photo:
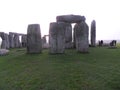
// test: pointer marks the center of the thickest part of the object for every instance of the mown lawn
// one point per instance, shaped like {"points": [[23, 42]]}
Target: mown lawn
{"points": [[98, 70]]}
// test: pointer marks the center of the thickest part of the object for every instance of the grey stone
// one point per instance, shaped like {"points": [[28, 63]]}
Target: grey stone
{"points": [[68, 36], [44, 42], [81, 36], [93, 33], [34, 42], [24, 40], [3, 44], [5, 40], [57, 37], [70, 18], [11, 40], [3, 52], [16, 40]]}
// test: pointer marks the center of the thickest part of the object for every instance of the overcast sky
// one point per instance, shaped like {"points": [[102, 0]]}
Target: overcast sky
{"points": [[15, 15]]}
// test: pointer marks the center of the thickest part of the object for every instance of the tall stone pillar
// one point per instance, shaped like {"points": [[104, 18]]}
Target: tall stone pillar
{"points": [[11, 40], [81, 37], [7, 40], [16, 41], [34, 42], [93, 33], [24, 40], [57, 37], [68, 36], [3, 44]]}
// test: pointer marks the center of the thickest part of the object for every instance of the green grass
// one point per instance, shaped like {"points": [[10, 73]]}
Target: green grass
{"points": [[98, 70]]}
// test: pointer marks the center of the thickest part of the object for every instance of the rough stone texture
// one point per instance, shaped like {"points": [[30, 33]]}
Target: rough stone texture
{"points": [[81, 36], [93, 33], [5, 40], [34, 42], [24, 40], [3, 52], [11, 40], [68, 36], [70, 18], [57, 37], [3, 44], [44, 42], [74, 40], [16, 41]]}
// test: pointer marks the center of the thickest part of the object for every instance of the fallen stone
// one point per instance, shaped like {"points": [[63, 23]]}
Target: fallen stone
{"points": [[3, 52]]}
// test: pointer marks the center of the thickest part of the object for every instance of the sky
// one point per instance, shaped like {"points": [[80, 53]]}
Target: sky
{"points": [[15, 15]]}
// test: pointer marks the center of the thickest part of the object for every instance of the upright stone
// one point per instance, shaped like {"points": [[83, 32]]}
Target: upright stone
{"points": [[68, 36], [16, 41], [44, 41], [93, 33], [81, 37], [4, 43], [11, 40], [7, 41], [34, 42], [57, 37], [24, 40]]}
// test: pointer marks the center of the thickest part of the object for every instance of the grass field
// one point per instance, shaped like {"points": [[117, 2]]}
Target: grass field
{"points": [[98, 70]]}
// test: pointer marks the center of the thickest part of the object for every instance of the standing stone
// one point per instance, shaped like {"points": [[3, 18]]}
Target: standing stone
{"points": [[16, 41], [34, 42], [3, 44], [81, 36], [44, 41], [24, 40], [7, 40], [11, 40], [57, 37], [68, 36], [93, 33]]}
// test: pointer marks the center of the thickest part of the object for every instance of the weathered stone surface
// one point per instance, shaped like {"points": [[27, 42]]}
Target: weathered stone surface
{"points": [[24, 40], [44, 42], [4, 52], [69, 45], [81, 36], [57, 37], [5, 40], [16, 41], [3, 44], [68, 36], [11, 40], [70, 18], [93, 33], [34, 42]]}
